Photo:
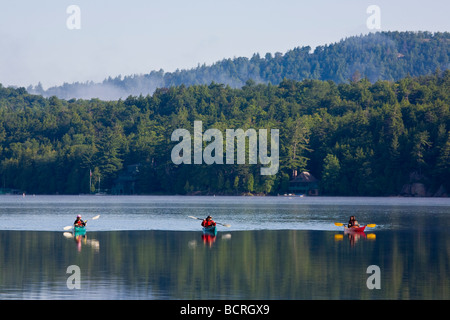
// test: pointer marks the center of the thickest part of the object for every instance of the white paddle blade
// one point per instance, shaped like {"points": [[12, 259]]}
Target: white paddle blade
{"points": [[67, 227], [96, 217]]}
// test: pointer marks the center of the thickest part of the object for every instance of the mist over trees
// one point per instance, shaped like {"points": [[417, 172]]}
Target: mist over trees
{"points": [[377, 56], [358, 138]]}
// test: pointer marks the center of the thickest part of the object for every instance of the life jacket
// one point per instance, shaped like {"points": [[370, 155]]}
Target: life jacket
{"points": [[208, 223], [79, 223]]}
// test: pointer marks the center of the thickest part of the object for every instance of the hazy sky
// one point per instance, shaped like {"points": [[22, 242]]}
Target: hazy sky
{"points": [[137, 36]]}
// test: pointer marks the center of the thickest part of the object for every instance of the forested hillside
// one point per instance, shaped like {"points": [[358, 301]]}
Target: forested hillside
{"points": [[376, 56], [357, 137]]}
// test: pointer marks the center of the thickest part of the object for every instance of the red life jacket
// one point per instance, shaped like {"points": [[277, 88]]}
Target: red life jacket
{"points": [[79, 223], [208, 223]]}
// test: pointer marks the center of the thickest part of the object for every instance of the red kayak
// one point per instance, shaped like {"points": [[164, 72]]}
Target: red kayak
{"points": [[354, 229]]}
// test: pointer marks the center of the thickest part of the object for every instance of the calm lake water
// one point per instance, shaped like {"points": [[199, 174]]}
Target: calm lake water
{"points": [[277, 248]]}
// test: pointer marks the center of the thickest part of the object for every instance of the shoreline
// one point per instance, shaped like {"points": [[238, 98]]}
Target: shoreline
{"points": [[245, 194]]}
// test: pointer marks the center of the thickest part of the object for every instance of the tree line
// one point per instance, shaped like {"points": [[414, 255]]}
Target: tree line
{"points": [[358, 138], [377, 56]]}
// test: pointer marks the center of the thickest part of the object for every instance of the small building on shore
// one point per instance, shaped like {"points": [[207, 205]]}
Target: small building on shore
{"points": [[125, 184], [304, 183]]}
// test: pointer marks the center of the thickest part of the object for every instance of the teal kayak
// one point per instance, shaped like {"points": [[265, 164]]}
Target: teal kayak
{"points": [[212, 230], [79, 231]]}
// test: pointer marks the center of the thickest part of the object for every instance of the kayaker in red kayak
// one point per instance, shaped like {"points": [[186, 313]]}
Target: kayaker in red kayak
{"points": [[352, 223], [78, 222], [208, 222]]}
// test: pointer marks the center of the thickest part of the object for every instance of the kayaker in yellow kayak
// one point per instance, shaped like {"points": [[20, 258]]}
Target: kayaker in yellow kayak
{"points": [[352, 223], [78, 222]]}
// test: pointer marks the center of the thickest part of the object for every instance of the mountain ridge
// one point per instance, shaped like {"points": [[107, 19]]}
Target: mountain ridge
{"points": [[388, 56]]}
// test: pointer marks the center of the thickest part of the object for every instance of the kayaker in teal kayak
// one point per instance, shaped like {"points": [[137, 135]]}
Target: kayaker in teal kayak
{"points": [[78, 222], [352, 223], [208, 222]]}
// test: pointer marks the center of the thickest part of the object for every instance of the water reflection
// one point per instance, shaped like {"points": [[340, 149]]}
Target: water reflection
{"points": [[354, 237], [267, 264], [208, 239], [81, 239]]}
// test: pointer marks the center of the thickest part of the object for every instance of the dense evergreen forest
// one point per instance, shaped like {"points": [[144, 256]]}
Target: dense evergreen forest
{"points": [[357, 137], [376, 56]]}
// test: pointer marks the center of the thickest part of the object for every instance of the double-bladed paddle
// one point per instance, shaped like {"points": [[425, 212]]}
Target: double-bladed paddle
{"points": [[70, 227], [222, 224]]}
